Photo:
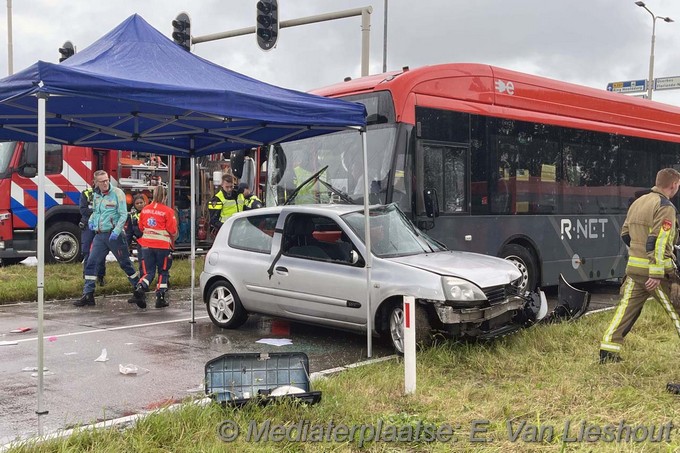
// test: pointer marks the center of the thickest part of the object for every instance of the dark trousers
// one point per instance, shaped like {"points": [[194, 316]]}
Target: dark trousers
{"points": [[86, 238], [155, 259], [101, 246]]}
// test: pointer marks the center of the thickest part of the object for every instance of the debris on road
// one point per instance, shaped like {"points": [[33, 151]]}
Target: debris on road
{"points": [[276, 341], [20, 330], [103, 357]]}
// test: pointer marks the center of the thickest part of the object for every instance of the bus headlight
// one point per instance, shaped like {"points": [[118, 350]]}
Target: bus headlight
{"points": [[457, 289]]}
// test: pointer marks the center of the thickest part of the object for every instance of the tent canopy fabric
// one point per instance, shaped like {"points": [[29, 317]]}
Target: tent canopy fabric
{"points": [[135, 89]]}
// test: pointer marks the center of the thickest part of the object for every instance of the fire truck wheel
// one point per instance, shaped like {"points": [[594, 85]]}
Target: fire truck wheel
{"points": [[525, 262], [62, 243]]}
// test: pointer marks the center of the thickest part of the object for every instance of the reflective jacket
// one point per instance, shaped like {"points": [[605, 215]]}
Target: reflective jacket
{"points": [[86, 198], [252, 202], [222, 207], [158, 225], [649, 231], [109, 211]]}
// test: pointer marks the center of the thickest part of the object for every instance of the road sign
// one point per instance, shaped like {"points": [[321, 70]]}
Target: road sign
{"points": [[667, 83], [629, 86]]}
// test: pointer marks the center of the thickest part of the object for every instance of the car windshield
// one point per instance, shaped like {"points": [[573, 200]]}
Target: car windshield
{"points": [[292, 163], [392, 234]]}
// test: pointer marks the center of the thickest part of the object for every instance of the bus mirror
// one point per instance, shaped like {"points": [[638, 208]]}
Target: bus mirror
{"points": [[431, 203], [237, 159]]}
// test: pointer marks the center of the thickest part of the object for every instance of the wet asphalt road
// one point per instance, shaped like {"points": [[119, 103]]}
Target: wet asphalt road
{"points": [[169, 351]]}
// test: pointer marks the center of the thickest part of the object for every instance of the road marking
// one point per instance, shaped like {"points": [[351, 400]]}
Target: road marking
{"points": [[111, 329]]}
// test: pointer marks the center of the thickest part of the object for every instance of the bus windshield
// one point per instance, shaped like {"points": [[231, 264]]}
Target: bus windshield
{"points": [[291, 164], [6, 152], [392, 234]]}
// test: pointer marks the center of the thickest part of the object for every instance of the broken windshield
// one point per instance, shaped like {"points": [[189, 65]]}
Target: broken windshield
{"points": [[292, 163], [392, 234]]}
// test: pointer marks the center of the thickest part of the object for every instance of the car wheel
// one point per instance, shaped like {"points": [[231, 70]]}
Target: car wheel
{"points": [[395, 324], [525, 262], [62, 243], [224, 306]]}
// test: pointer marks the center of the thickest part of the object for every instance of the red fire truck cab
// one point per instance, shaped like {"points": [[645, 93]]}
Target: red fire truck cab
{"points": [[68, 170]]}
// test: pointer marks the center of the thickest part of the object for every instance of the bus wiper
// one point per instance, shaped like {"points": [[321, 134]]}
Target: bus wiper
{"points": [[316, 177], [343, 196]]}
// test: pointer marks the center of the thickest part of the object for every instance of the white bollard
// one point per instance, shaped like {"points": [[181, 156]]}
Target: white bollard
{"points": [[409, 345]]}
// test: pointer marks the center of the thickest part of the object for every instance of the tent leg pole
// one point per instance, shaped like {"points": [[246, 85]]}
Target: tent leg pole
{"points": [[369, 259], [40, 255], [193, 233]]}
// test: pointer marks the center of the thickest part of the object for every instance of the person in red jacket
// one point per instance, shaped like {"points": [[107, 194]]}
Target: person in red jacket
{"points": [[158, 225]]}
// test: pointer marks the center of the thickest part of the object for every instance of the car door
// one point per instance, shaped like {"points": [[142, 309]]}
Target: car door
{"points": [[250, 246], [314, 275]]}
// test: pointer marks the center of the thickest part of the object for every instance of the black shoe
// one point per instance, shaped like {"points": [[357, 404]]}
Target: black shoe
{"points": [[161, 300], [101, 281], [609, 357], [138, 297], [87, 299]]}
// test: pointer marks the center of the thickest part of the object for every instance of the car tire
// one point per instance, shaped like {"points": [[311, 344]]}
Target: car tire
{"points": [[62, 243], [224, 306], [525, 262], [395, 327]]}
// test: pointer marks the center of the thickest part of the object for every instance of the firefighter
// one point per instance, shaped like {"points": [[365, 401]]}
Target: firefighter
{"points": [[225, 203], [158, 224], [109, 212], [649, 231], [87, 235]]}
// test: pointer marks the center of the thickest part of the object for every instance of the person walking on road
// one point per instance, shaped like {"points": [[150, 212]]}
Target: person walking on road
{"points": [[650, 232], [158, 225], [109, 213], [87, 235]]}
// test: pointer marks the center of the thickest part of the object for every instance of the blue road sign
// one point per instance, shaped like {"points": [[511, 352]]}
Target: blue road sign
{"points": [[628, 86]]}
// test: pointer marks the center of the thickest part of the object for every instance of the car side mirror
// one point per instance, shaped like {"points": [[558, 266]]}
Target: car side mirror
{"points": [[431, 203]]}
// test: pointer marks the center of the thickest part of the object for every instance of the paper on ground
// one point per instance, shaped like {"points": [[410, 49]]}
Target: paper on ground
{"points": [[275, 341], [103, 357]]}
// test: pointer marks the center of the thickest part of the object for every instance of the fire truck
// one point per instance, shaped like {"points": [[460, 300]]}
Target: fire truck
{"points": [[68, 171]]}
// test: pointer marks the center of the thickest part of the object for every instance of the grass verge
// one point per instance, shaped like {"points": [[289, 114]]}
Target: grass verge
{"points": [[65, 281], [538, 390]]}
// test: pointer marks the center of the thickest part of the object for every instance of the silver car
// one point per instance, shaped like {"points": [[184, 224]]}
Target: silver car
{"points": [[307, 263]]}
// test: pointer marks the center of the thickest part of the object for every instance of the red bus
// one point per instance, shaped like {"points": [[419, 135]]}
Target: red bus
{"points": [[537, 171]]}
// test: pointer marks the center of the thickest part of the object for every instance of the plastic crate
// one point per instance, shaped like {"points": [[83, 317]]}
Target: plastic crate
{"points": [[235, 379]]}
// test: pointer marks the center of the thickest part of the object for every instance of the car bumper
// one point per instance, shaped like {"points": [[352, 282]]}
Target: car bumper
{"points": [[451, 315]]}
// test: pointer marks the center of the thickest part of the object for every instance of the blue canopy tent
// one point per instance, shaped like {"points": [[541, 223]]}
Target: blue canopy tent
{"points": [[134, 89]]}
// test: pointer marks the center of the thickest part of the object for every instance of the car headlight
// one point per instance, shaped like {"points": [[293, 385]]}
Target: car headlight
{"points": [[457, 289]]}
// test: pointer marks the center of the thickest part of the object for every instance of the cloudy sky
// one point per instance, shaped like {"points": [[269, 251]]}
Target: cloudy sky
{"points": [[590, 42]]}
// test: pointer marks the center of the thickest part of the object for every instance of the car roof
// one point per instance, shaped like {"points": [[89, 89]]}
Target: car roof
{"points": [[322, 209]]}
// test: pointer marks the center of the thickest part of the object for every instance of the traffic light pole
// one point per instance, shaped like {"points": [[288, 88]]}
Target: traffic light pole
{"points": [[364, 12]]}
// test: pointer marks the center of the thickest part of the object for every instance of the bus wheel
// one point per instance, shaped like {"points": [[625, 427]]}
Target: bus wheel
{"points": [[62, 244], [525, 262]]}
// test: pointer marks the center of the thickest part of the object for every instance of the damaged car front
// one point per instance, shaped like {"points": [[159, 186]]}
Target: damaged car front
{"points": [[461, 294]]}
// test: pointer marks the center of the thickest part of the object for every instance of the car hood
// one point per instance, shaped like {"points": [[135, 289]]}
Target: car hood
{"points": [[483, 270]]}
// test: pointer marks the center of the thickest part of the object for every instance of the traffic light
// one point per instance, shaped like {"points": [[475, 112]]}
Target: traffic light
{"points": [[181, 31], [267, 24], [67, 50]]}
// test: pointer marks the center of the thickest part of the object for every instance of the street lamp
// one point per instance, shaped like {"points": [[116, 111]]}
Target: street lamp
{"points": [[651, 55]]}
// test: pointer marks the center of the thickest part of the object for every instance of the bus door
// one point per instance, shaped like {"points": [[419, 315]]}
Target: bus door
{"points": [[443, 168]]}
